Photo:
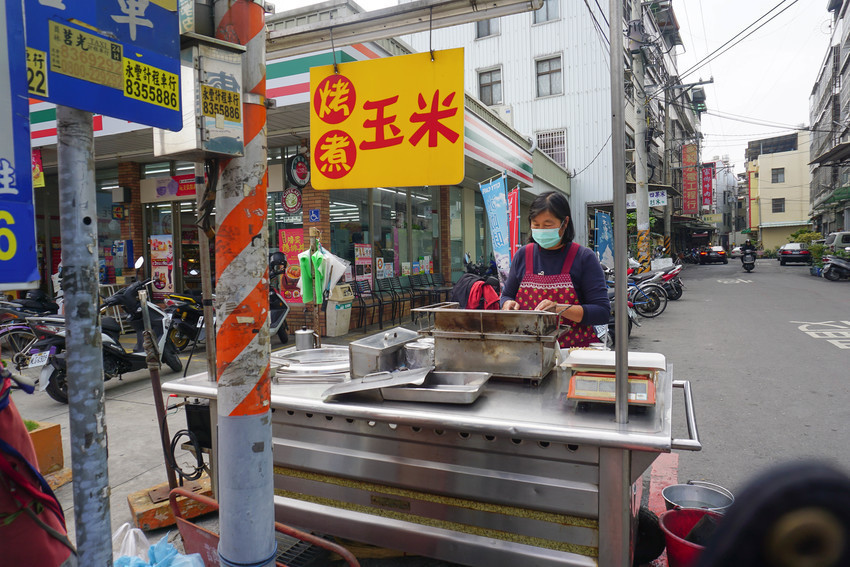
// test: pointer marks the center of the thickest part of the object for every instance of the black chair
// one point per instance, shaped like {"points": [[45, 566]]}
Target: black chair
{"points": [[387, 295], [401, 294], [421, 283], [367, 300], [414, 294], [440, 287]]}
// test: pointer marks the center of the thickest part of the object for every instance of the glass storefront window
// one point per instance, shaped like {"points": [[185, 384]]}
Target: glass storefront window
{"points": [[425, 227], [456, 231], [108, 228], [390, 238], [279, 219], [349, 217], [483, 246]]}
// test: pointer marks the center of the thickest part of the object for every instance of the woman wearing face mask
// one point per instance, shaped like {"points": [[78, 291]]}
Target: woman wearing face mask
{"points": [[553, 273]]}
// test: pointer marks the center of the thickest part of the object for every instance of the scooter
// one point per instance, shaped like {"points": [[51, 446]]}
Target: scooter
{"points": [[187, 320], [49, 352], [278, 307], [749, 260], [836, 268]]}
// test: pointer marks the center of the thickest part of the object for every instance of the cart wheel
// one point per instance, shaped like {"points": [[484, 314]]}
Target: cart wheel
{"points": [[649, 542]]}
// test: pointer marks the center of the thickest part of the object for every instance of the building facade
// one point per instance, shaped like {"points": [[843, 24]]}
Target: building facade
{"points": [[829, 114], [548, 73], [780, 183]]}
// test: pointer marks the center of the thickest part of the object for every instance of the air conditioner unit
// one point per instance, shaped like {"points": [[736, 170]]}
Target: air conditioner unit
{"points": [[505, 112]]}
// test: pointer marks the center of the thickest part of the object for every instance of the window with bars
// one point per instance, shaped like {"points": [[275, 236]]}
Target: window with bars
{"points": [[778, 205], [486, 28], [554, 145], [549, 78], [549, 12], [490, 87]]}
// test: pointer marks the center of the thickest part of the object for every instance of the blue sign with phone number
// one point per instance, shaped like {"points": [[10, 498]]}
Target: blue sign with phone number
{"points": [[120, 58], [18, 260]]}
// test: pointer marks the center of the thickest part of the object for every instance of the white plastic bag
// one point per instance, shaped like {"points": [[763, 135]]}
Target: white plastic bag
{"points": [[128, 541]]}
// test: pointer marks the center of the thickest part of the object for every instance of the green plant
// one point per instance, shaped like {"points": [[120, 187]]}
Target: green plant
{"points": [[770, 253], [805, 236], [817, 254], [31, 425]]}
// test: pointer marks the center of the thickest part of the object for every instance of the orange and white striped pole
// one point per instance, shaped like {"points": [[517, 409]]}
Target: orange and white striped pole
{"points": [[245, 475]]}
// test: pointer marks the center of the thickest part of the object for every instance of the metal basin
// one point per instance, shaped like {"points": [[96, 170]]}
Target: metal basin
{"points": [[330, 360], [697, 494]]}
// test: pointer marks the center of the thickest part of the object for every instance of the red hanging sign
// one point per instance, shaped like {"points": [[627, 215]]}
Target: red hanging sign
{"points": [[690, 183], [707, 176], [513, 220]]}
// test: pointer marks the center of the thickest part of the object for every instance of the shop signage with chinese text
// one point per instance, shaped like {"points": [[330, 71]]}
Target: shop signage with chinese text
{"points": [[690, 181], [396, 122], [706, 178], [115, 57], [656, 199]]}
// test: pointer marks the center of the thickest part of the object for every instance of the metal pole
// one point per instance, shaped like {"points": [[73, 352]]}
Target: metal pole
{"points": [[245, 475], [618, 149], [206, 276], [641, 184], [84, 354], [668, 159]]}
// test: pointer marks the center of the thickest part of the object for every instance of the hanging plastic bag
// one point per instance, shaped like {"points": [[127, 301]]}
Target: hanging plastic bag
{"points": [[130, 542], [161, 554]]}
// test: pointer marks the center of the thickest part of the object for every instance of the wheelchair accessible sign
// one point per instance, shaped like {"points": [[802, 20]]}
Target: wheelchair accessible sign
{"points": [[119, 58], [18, 260]]}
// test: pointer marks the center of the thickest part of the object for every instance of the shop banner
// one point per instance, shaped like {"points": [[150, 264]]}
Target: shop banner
{"points": [[706, 178], [291, 243], [174, 188], [496, 203], [690, 182], [363, 263], [604, 239], [162, 265], [392, 122], [513, 220], [37, 169]]}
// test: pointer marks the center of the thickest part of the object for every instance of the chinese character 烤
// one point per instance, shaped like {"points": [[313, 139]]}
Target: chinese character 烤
{"points": [[334, 99], [134, 12]]}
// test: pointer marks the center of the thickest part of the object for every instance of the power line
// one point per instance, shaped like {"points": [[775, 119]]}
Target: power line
{"points": [[714, 54], [604, 145]]}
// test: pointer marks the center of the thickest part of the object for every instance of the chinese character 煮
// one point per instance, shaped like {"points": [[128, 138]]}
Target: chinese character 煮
{"points": [[335, 154]]}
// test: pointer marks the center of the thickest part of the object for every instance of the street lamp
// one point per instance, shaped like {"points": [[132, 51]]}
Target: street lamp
{"points": [[407, 18]]}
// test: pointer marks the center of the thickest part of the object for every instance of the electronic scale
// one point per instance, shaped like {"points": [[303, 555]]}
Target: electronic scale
{"points": [[593, 376]]}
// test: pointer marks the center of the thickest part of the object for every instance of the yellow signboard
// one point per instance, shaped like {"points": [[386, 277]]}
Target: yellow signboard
{"points": [[150, 84], [219, 102], [85, 56], [394, 122], [712, 218], [37, 72]]}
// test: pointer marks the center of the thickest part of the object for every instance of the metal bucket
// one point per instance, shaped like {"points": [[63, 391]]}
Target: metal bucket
{"points": [[419, 354], [697, 494]]}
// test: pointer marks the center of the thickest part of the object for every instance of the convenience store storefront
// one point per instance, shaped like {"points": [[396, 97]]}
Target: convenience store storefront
{"points": [[425, 228]]}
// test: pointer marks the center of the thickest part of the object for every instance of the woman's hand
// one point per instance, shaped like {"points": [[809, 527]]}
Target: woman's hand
{"points": [[547, 305], [510, 305]]}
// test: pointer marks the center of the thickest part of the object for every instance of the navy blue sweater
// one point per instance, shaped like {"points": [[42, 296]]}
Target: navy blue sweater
{"points": [[586, 273]]}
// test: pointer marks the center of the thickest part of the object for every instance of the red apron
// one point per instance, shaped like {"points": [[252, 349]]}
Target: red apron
{"points": [[559, 288]]}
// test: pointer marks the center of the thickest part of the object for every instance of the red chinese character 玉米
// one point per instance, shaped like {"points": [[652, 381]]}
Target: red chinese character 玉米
{"points": [[335, 154], [380, 125], [431, 120], [334, 99]]}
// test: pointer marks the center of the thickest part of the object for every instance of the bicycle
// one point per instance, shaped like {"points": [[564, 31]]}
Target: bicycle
{"points": [[19, 338]]}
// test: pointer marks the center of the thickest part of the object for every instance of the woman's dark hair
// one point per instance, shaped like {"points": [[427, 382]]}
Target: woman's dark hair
{"points": [[557, 204]]}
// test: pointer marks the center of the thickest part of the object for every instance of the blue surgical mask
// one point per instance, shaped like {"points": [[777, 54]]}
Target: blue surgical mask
{"points": [[546, 237]]}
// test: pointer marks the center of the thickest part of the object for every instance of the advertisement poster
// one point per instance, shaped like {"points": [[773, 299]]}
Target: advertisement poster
{"points": [[690, 183], [291, 244], [707, 176], [513, 220], [496, 202], [363, 263], [604, 239], [162, 265], [37, 169]]}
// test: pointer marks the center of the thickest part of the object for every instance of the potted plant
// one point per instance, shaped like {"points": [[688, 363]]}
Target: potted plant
{"points": [[47, 440], [816, 251]]}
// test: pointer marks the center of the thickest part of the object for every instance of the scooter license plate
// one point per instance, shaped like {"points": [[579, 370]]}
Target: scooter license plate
{"points": [[39, 359]]}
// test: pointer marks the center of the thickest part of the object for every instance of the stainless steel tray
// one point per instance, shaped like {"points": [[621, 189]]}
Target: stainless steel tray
{"points": [[378, 380], [442, 387]]}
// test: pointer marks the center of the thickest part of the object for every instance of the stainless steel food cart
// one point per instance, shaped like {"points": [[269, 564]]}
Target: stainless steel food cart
{"points": [[522, 476]]}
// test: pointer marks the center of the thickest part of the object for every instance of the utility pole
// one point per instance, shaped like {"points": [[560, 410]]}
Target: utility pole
{"points": [[636, 37], [245, 478], [84, 348]]}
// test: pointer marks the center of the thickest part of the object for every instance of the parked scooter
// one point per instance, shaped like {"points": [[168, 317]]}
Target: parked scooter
{"points": [[836, 268], [748, 260], [278, 308], [50, 352], [187, 320], [480, 269]]}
